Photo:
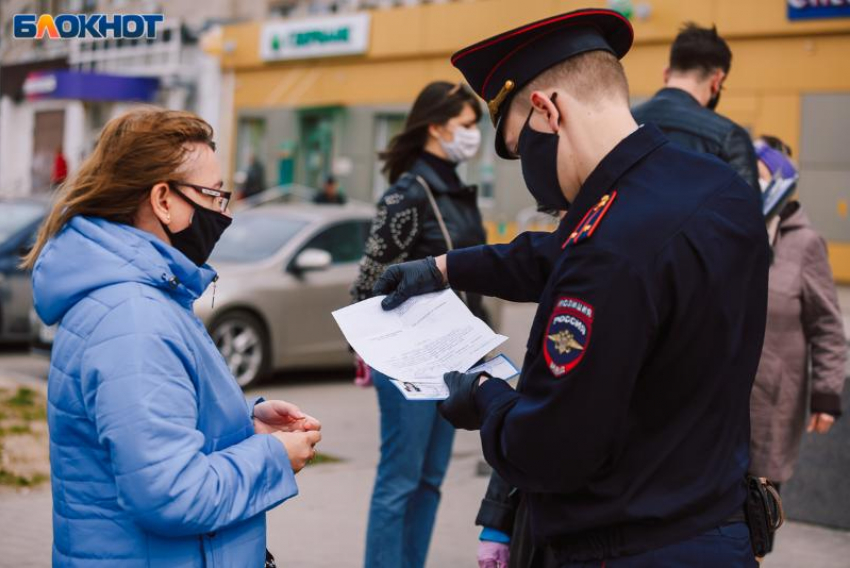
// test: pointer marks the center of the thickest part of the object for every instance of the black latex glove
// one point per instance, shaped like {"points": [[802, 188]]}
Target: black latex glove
{"points": [[460, 409], [403, 281]]}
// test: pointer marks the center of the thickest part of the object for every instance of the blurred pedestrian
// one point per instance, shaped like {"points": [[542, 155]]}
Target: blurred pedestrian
{"points": [[255, 178], [427, 211], [155, 457], [60, 169], [685, 108], [330, 193], [802, 365]]}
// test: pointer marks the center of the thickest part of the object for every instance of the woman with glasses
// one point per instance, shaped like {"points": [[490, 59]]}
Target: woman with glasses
{"points": [[156, 459], [427, 211]]}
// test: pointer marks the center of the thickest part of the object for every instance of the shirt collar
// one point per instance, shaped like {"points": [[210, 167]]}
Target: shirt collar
{"points": [[625, 155]]}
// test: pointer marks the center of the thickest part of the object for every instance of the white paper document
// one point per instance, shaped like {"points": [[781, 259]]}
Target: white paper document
{"points": [[418, 342], [499, 367]]}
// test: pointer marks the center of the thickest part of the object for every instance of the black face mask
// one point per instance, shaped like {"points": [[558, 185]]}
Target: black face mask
{"points": [[538, 153], [198, 239]]}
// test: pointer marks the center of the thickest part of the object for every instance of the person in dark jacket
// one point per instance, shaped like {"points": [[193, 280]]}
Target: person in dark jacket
{"points": [[685, 108], [428, 210], [330, 194], [255, 180]]}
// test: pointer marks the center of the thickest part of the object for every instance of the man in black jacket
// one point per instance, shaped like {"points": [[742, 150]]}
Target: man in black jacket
{"points": [[684, 108]]}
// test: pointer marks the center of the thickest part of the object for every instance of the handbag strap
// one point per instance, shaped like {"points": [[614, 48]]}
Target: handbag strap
{"points": [[437, 212], [440, 222], [776, 518]]}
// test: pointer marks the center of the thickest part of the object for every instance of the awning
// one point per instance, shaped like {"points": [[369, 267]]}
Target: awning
{"points": [[89, 86], [12, 77]]}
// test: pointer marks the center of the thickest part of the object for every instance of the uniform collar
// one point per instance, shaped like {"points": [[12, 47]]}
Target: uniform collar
{"points": [[625, 155]]}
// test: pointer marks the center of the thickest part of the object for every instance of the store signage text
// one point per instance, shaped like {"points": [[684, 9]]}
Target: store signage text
{"points": [[65, 26], [818, 9], [315, 37]]}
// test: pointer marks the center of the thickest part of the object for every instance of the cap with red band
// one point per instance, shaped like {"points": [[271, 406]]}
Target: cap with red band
{"points": [[498, 67]]}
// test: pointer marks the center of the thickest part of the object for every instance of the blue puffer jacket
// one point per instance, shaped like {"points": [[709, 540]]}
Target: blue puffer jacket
{"points": [[153, 455]]}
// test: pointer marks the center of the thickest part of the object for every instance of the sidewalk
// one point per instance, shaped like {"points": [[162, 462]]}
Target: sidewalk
{"points": [[324, 527]]}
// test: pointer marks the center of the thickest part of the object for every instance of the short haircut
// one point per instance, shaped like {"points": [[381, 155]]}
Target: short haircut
{"points": [[589, 77], [700, 49]]}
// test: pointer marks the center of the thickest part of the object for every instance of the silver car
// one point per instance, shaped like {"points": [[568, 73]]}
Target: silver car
{"points": [[19, 222], [283, 268]]}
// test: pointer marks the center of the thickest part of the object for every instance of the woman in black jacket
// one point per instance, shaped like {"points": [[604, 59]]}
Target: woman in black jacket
{"points": [[427, 211]]}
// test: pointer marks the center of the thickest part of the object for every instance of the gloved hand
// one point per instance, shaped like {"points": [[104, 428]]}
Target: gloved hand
{"points": [[403, 281], [493, 554], [459, 409]]}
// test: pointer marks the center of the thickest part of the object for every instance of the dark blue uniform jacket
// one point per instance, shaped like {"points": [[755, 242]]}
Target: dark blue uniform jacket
{"points": [[631, 426]]}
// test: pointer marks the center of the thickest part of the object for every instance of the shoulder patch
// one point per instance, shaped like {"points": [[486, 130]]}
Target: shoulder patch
{"points": [[568, 335], [591, 220]]}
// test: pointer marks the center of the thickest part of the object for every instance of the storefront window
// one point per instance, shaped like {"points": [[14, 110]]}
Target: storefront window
{"points": [[317, 143]]}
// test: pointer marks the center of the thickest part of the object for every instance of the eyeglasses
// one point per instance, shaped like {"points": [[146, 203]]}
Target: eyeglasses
{"points": [[221, 199]]}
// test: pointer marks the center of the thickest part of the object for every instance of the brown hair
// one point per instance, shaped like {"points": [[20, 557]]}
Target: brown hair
{"points": [[438, 103], [590, 77], [134, 152]]}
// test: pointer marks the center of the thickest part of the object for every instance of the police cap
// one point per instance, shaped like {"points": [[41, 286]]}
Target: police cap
{"points": [[498, 67]]}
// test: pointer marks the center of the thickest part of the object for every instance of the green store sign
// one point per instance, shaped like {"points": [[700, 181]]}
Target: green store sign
{"points": [[325, 37]]}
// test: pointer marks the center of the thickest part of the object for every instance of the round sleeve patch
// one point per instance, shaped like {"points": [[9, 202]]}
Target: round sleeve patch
{"points": [[568, 335]]}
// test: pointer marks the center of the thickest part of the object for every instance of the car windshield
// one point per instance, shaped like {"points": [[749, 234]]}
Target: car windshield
{"points": [[255, 236], [16, 216]]}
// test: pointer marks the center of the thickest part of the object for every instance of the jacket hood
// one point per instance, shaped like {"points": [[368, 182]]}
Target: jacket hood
{"points": [[792, 217], [90, 253]]}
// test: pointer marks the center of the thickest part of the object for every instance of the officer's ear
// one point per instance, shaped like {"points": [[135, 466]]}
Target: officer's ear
{"points": [[546, 108]]}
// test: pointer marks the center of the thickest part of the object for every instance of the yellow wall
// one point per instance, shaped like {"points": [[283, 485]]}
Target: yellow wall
{"points": [[775, 60]]}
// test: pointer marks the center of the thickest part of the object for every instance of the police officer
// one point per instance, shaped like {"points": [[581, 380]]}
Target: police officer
{"points": [[629, 433]]}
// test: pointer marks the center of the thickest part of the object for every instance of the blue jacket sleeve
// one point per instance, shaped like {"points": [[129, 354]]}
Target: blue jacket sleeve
{"points": [[592, 398], [517, 271], [139, 393]]}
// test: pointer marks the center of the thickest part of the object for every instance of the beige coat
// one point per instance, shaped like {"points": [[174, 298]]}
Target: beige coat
{"points": [[803, 360]]}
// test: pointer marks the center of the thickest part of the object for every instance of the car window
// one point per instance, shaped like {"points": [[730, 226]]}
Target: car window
{"points": [[16, 216], [344, 241], [254, 236]]}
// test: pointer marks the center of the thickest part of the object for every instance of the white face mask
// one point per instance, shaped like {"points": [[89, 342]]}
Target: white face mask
{"points": [[764, 184], [464, 144]]}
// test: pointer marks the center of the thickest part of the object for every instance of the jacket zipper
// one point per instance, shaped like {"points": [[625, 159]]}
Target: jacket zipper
{"points": [[215, 279]]}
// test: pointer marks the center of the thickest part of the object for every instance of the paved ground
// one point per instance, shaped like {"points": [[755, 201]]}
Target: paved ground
{"points": [[324, 527]]}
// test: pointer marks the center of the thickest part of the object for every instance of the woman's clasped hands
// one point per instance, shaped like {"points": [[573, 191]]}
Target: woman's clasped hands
{"points": [[298, 432]]}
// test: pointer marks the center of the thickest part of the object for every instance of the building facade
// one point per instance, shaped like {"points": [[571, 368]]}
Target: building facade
{"points": [[307, 112], [56, 94]]}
